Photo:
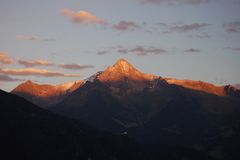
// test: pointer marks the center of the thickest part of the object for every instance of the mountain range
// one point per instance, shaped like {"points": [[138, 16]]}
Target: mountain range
{"points": [[149, 109], [116, 76]]}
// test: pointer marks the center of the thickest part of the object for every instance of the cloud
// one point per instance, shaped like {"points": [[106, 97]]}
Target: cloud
{"points": [[5, 59], [192, 50], [174, 2], [33, 38], [200, 35], [75, 66], [34, 72], [48, 39], [142, 51], [237, 49], [5, 78], [103, 52], [180, 28], [232, 27], [137, 50], [82, 17], [187, 27], [48, 63], [29, 38], [123, 50], [35, 63], [126, 25]]}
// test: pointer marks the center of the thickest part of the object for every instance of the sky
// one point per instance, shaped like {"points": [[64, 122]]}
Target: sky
{"points": [[59, 41]]}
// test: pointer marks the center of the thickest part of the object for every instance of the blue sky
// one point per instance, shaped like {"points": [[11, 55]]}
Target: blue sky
{"points": [[66, 40]]}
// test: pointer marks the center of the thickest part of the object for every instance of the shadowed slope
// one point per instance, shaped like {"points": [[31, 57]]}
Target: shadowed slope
{"points": [[29, 132]]}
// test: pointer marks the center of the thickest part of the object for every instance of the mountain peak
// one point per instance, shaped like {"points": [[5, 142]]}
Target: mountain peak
{"points": [[122, 65], [122, 61], [28, 82], [122, 72]]}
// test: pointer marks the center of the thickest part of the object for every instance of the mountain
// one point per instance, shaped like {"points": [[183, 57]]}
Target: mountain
{"points": [[98, 101], [121, 99], [206, 87], [45, 95], [122, 77], [29, 132]]}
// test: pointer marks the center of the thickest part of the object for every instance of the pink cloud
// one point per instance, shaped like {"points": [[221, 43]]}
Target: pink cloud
{"points": [[199, 35], [142, 51], [75, 66], [35, 63], [33, 38], [30, 38], [103, 52], [181, 28], [232, 27], [82, 17], [5, 78], [123, 50], [187, 27], [35, 72], [5, 59], [126, 25], [137, 50], [235, 49], [192, 50]]}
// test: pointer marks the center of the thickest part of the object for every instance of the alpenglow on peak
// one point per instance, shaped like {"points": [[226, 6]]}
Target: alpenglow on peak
{"points": [[121, 70], [122, 65]]}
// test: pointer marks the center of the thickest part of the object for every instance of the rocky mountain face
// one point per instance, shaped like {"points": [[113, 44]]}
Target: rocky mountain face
{"points": [[45, 95]]}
